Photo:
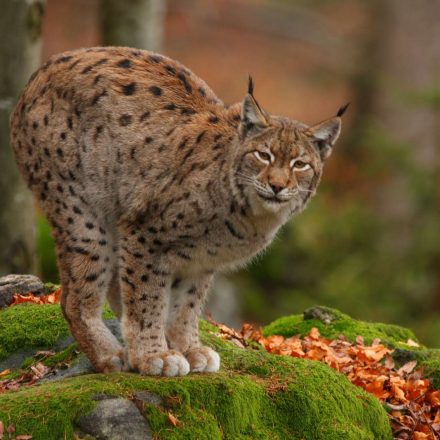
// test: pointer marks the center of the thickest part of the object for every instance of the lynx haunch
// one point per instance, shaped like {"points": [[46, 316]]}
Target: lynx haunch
{"points": [[151, 185]]}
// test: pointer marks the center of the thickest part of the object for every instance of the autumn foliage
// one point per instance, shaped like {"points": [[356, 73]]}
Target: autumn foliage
{"points": [[51, 298], [413, 405]]}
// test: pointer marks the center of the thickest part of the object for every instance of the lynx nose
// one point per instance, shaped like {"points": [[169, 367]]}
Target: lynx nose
{"points": [[276, 189]]}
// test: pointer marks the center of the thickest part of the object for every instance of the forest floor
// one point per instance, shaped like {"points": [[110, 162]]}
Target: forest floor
{"points": [[372, 381]]}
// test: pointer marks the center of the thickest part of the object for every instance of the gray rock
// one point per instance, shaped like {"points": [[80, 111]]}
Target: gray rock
{"points": [[115, 419], [12, 284], [81, 366], [16, 359], [320, 313], [149, 398]]}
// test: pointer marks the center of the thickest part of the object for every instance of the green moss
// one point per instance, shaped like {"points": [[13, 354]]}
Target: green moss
{"points": [[28, 326], [341, 324], [255, 395]]}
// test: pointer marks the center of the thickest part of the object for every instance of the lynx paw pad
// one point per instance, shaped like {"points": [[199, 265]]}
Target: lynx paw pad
{"points": [[203, 359], [168, 363]]}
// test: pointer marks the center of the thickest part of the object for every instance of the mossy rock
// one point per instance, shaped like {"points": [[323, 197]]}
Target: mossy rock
{"points": [[256, 395], [331, 323]]}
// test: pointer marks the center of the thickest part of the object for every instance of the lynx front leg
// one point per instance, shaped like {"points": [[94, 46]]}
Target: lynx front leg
{"points": [[145, 287], [188, 297], [85, 280]]}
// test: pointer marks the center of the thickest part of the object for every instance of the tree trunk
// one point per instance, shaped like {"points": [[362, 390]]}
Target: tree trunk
{"points": [[20, 48], [133, 23]]}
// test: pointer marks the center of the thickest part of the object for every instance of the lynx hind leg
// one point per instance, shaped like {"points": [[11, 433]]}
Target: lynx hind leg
{"points": [[145, 286], [85, 259], [187, 300]]}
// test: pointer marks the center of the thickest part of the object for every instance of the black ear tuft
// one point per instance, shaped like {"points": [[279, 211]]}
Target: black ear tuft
{"points": [[250, 86], [342, 110]]}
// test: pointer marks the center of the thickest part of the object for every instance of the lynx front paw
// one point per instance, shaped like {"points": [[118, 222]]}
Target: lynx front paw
{"points": [[203, 359], [167, 363], [113, 364]]}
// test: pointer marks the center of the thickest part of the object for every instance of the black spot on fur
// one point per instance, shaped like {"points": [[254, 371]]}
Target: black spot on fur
{"points": [[144, 116], [183, 143], [148, 140], [129, 89], [125, 64], [170, 106], [155, 59], [232, 230], [213, 119], [64, 59], [170, 69], [125, 120], [91, 277], [87, 69], [200, 136], [184, 80], [89, 225], [156, 91]]}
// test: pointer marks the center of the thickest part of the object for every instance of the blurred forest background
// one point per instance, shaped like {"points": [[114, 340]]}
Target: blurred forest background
{"points": [[369, 243]]}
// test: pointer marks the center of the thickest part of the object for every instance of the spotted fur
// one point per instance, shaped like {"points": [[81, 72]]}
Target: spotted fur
{"points": [[151, 185]]}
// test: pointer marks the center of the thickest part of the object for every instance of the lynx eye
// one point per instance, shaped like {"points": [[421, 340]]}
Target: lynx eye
{"points": [[263, 156], [299, 165]]}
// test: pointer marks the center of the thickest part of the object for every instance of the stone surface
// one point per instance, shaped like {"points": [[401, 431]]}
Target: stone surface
{"points": [[82, 366], [12, 284], [323, 314], [149, 398], [115, 419]]}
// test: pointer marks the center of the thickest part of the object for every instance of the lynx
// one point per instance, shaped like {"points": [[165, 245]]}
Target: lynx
{"points": [[151, 185]]}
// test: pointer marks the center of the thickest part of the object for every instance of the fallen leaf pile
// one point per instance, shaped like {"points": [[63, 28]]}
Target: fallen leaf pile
{"points": [[32, 374], [51, 298], [413, 405]]}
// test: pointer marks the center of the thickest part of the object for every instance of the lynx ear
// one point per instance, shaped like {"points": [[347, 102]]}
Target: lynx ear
{"points": [[253, 119], [326, 133]]}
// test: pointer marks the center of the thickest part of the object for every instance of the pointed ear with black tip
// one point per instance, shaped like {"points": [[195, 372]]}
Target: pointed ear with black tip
{"points": [[326, 133], [253, 119]]}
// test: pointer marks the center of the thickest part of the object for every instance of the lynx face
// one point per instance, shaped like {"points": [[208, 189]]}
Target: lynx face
{"points": [[281, 159], [281, 167]]}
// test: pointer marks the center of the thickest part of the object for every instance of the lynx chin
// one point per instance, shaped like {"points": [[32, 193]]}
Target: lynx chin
{"points": [[152, 184]]}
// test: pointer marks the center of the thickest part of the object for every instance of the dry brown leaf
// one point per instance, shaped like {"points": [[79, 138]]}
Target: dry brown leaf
{"points": [[407, 368], [173, 419], [420, 436], [434, 398]]}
